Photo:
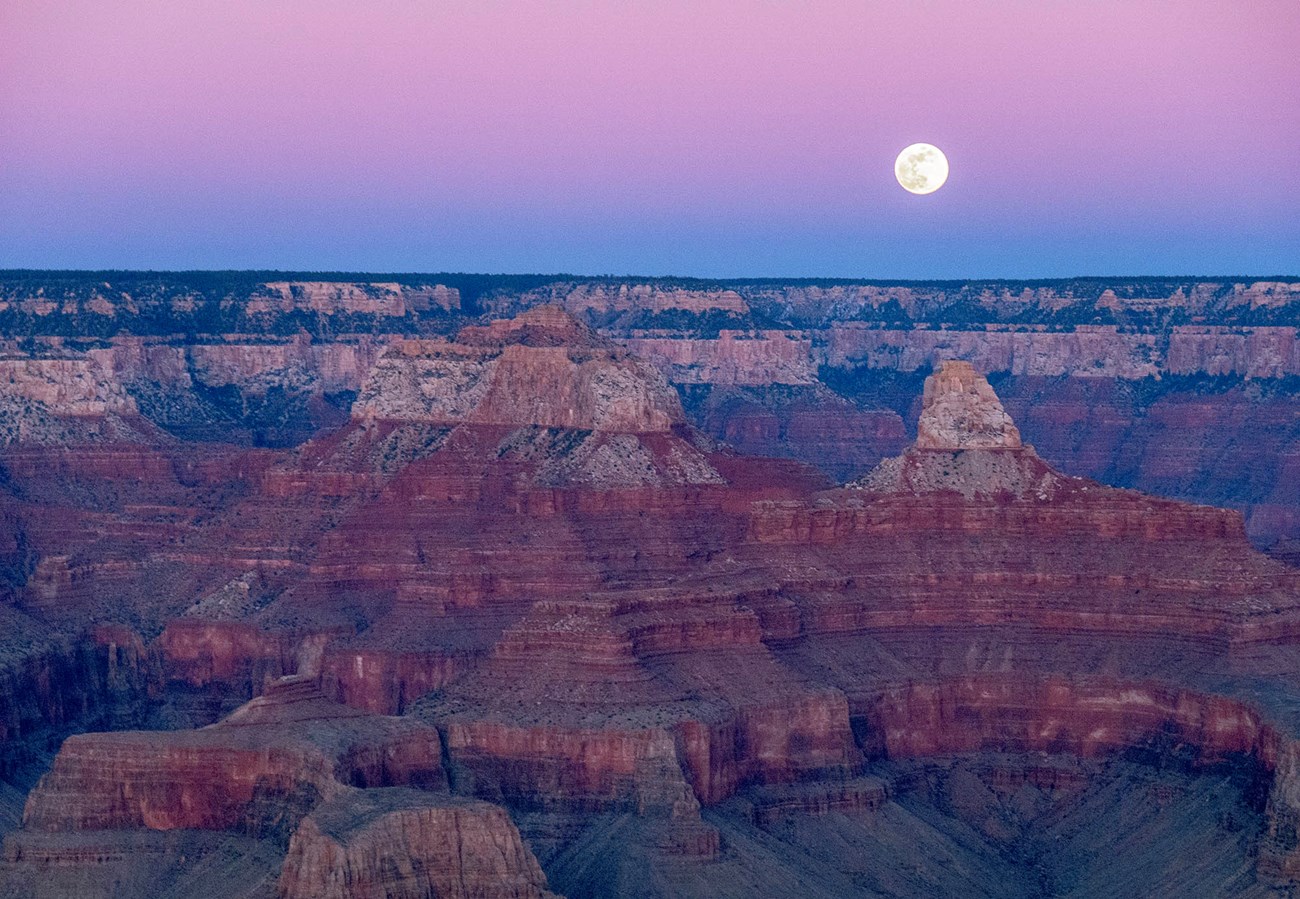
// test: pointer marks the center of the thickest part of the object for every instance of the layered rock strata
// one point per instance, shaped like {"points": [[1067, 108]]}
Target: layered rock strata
{"points": [[257, 771], [569, 641], [406, 844], [960, 411], [1178, 385], [594, 413]]}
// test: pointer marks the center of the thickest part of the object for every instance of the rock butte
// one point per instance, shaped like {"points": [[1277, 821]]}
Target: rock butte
{"points": [[960, 411], [516, 603]]}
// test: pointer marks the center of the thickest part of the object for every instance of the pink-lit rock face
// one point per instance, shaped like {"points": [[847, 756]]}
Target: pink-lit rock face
{"points": [[750, 358], [960, 411], [541, 369]]}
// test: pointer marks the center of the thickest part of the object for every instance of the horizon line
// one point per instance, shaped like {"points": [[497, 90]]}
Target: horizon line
{"points": [[345, 274]]}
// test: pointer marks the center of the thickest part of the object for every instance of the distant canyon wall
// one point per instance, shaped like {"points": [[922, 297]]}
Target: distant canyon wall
{"points": [[1177, 387]]}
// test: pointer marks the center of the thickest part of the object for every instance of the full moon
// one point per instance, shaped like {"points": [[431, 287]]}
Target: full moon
{"points": [[921, 168]]}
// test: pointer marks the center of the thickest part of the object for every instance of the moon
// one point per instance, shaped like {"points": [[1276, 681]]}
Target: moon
{"points": [[921, 168]]}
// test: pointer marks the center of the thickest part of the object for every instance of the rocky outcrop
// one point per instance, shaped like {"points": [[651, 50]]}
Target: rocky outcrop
{"points": [[66, 401], [77, 386], [574, 768], [499, 376], [966, 442], [578, 409], [259, 771], [960, 411], [407, 844]]}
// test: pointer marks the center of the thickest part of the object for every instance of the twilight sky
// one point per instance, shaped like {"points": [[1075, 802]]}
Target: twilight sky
{"points": [[698, 138]]}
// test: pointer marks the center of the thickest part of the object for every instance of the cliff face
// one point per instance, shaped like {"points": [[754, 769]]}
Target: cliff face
{"points": [[509, 375], [1090, 351], [733, 358], [259, 770], [403, 844], [960, 411], [613, 298], [62, 297], [333, 298], [578, 408], [66, 400]]}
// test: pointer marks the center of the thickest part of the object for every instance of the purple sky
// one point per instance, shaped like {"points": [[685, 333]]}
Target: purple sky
{"points": [[704, 137]]}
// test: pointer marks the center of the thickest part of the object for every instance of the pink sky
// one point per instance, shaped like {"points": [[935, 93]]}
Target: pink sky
{"points": [[697, 138]]}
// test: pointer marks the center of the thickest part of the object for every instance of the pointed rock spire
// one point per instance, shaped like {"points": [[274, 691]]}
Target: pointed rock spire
{"points": [[965, 443], [961, 411]]}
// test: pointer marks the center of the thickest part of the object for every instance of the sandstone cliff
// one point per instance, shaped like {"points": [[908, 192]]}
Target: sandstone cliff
{"points": [[578, 408], [406, 844], [501, 376], [258, 771]]}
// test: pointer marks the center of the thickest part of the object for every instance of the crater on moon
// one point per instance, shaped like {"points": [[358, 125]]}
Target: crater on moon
{"points": [[921, 168]]}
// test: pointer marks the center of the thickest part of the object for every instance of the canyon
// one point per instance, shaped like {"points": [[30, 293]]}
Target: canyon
{"points": [[1178, 387], [447, 586]]}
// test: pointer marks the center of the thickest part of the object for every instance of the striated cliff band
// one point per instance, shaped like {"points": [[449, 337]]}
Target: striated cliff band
{"points": [[436, 606], [1179, 387]]}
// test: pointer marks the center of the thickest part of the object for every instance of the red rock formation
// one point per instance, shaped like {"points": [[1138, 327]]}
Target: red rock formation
{"points": [[594, 414], [1228, 346], [406, 844], [640, 634], [570, 768], [263, 767], [1084, 719]]}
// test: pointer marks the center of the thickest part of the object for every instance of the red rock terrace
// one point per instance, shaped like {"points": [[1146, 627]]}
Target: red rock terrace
{"points": [[515, 627]]}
